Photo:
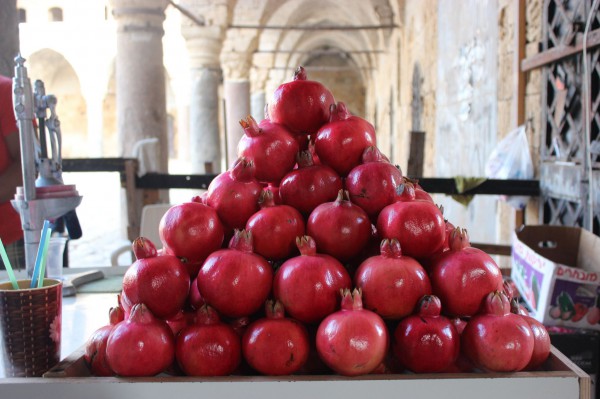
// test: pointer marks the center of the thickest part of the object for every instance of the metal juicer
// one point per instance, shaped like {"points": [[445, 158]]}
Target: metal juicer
{"points": [[43, 195]]}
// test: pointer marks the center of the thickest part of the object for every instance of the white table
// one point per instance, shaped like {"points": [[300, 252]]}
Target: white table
{"points": [[84, 313]]}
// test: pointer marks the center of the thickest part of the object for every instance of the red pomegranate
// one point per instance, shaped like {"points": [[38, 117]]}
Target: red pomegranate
{"points": [[310, 185], [375, 183], [274, 228], [391, 283], [301, 105], [95, 347], [141, 346], [341, 142], [308, 285], [339, 228], [352, 341], [496, 339], [195, 300], [234, 194], [426, 342], [275, 344], [236, 281], [191, 230], [270, 146], [209, 347], [162, 283], [418, 226], [463, 276], [541, 343]]}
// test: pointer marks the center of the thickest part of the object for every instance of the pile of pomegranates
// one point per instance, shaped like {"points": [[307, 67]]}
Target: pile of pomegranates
{"points": [[312, 254]]}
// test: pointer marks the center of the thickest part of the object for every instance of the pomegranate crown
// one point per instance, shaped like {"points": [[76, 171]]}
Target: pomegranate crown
{"points": [[243, 170], [207, 315], [143, 248], [390, 248], [274, 309], [429, 306], [304, 159], [250, 126], [351, 299], [496, 303], [266, 199], [459, 239], [338, 112], [306, 245], [300, 73], [242, 241]]}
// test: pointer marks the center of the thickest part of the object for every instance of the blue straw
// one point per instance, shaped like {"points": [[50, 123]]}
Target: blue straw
{"points": [[9, 269], [38, 259], [44, 257]]}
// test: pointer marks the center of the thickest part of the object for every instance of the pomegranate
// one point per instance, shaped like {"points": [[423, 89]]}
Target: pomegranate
{"points": [[308, 285], [418, 225], [391, 283], [301, 105], [496, 339], [235, 281], [310, 185], [95, 347], [178, 322], [209, 347], [339, 228], [275, 345], [191, 230], [270, 146], [341, 142], [463, 276], [234, 194], [160, 282], [352, 341], [426, 342], [141, 346], [275, 228], [541, 346], [375, 183], [194, 300]]}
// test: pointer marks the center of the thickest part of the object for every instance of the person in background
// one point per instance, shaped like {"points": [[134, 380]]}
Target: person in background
{"points": [[10, 178]]}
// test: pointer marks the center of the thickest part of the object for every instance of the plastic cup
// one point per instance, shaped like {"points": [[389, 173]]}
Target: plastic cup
{"points": [[30, 321], [54, 257]]}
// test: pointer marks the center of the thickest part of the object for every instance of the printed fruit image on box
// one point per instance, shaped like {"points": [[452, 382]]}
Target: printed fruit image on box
{"points": [[529, 282]]}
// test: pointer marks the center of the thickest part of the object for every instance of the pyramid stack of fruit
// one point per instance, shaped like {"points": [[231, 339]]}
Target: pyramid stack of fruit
{"points": [[313, 254]]}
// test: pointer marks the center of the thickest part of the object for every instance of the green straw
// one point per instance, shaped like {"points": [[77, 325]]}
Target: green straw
{"points": [[9, 269], [43, 264]]}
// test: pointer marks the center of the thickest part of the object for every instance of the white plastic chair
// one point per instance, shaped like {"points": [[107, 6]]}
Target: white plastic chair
{"points": [[151, 215]]}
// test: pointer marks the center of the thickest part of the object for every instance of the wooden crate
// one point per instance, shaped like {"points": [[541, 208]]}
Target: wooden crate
{"points": [[558, 378]]}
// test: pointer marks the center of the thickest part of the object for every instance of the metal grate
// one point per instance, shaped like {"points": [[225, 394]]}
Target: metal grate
{"points": [[564, 163]]}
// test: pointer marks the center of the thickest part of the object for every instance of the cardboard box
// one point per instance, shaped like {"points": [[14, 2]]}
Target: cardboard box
{"points": [[557, 271]]}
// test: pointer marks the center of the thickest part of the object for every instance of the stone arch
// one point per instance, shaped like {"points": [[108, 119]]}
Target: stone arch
{"points": [[61, 80]]}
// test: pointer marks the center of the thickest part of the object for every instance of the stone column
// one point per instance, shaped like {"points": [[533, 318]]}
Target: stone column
{"points": [[236, 90], [237, 107], [204, 47], [94, 124], [257, 105], [140, 75]]}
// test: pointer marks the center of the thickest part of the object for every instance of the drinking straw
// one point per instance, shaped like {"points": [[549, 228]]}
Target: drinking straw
{"points": [[9, 269], [44, 256], [35, 277]]}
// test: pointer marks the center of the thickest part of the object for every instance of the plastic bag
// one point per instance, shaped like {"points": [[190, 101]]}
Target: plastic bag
{"points": [[511, 159]]}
